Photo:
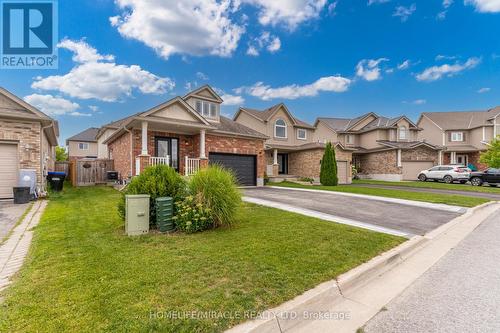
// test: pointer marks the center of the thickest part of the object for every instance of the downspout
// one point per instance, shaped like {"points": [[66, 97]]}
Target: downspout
{"points": [[41, 151]]}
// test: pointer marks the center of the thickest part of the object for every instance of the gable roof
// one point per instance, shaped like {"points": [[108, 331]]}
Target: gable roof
{"points": [[265, 115], [346, 124], [229, 126], [461, 120], [200, 89], [88, 135]]}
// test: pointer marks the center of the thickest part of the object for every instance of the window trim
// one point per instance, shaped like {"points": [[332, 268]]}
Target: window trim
{"points": [[347, 141], [84, 144], [460, 134], [205, 109], [400, 137], [305, 134], [281, 126]]}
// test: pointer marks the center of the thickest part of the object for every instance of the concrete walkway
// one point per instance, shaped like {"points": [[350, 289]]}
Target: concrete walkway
{"points": [[9, 215], [461, 293], [492, 196], [15, 249]]}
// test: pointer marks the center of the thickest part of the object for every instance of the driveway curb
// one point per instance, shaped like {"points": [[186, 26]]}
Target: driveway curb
{"points": [[443, 207], [333, 292]]}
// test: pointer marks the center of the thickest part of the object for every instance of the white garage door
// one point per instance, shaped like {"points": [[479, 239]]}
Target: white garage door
{"points": [[411, 170], [342, 172], [8, 169]]}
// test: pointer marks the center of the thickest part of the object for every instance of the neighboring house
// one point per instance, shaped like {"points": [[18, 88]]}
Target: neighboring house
{"points": [[292, 150], [384, 148], [28, 139], [83, 144], [186, 133], [464, 135]]}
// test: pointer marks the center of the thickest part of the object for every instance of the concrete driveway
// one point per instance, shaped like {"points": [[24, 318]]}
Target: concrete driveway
{"points": [[408, 219], [9, 215]]}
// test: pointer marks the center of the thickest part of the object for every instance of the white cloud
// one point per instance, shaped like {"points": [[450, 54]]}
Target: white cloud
{"points": [[294, 91], [419, 101], [437, 72], [232, 99], [447, 3], [333, 7], [290, 13], [53, 106], [404, 12], [483, 90], [106, 81], [404, 65], [369, 69], [440, 57], [94, 108], [195, 27], [485, 6], [202, 76], [371, 2], [265, 40]]}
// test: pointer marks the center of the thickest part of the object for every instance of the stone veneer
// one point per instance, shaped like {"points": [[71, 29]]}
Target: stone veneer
{"points": [[28, 138]]}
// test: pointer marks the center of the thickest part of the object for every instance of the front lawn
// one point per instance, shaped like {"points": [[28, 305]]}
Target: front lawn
{"points": [[458, 200], [435, 185], [84, 275]]}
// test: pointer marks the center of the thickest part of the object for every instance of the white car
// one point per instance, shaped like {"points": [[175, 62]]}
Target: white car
{"points": [[447, 173]]}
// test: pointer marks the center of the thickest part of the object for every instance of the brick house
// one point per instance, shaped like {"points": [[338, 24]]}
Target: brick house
{"points": [[83, 144], [186, 133], [383, 148], [28, 139], [464, 135], [291, 148]]}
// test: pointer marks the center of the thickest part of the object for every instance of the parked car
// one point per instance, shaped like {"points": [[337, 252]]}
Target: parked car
{"points": [[490, 176], [446, 173]]}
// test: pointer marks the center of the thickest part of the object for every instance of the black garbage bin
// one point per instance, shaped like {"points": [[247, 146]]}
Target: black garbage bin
{"points": [[21, 195], [56, 180]]}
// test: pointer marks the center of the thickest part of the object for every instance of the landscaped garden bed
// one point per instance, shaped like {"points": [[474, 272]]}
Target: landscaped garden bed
{"points": [[84, 275]]}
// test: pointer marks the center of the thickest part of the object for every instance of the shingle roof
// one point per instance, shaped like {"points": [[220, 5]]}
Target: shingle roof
{"points": [[344, 124], [89, 135], [227, 125], [406, 145], [462, 119], [265, 114]]}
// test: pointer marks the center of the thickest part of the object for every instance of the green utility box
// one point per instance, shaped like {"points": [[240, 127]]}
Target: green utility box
{"points": [[136, 214], [165, 214]]}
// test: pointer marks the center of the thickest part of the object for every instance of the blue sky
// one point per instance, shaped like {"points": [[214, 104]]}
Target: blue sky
{"points": [[322, 58]]}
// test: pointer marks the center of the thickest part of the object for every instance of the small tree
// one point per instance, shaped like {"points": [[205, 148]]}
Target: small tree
{"points": [[491, 157], [61, 154], [328, 175]]}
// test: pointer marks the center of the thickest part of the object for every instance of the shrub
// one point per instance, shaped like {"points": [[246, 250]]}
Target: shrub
{"points": [[192, 217], [215, 188], [328, 175], [157, 181]]}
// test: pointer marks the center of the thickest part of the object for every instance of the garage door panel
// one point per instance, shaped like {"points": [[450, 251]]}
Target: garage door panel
{"points": [[243, 166], [411, 170], [8, 169]]}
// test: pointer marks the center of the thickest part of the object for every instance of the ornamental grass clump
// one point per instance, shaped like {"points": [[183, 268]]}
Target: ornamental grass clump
{"points": [[216, 190], [192, 217]]}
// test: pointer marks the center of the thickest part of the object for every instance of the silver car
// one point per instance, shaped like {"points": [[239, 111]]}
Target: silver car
{"points": [[447, 173]]}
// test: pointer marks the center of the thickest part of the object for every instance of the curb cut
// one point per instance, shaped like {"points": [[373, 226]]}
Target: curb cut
{"points": [[333, 291]]}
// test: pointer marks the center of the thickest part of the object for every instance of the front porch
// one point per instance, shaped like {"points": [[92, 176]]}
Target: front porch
{"points": [[466, 158]]}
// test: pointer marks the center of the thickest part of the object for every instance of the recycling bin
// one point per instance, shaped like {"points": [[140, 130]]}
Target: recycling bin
{"points": [[165, 214], [21, 195], [56, 180]]}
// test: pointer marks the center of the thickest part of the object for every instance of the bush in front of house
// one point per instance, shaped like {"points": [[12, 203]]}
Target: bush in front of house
{"points": [[156, 181], [192, 217], [328, 175], [216, 190]]}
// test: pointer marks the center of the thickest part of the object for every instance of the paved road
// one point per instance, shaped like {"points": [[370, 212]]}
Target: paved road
{"points": [[461, 293], [9, 215], [409, 219], [492, 196]]}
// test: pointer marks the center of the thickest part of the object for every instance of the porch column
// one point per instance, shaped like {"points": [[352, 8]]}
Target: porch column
{"points": [[400, 164], [144, 137], [275, 156], [440, 157], [453, 157], [202, 144], [275, 163]]}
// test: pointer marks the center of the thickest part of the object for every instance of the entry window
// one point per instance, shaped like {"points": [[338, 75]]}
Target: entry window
{"points": [[207, 109], [301, 134], [280, 129], [83, 146], [403, 133], [457, 136]]}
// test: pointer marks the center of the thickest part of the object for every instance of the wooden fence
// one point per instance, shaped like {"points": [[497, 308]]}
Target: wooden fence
{"points": [[63, 167], [88, 172]]}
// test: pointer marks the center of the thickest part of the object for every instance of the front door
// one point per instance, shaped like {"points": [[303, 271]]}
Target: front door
{"points": [[168, 147], [462, 160], [283, 164]]}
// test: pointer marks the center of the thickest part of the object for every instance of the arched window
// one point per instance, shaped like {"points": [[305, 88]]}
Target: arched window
{"points": [[403, 133], [280, 129]]}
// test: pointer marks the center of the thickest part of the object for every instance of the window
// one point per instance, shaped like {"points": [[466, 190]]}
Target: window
{"points": [[83, 146], [457, 136], [280, 129], [207, 109], [403, 133], [350, 139], [301, 134]]}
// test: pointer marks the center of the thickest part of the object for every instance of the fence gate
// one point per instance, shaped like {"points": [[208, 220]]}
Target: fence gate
{"points": [[91, 172]]}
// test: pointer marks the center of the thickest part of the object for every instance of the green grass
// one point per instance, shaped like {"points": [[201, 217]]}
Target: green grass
{"points": [[84, 275], [434, 185], [458, 200]]}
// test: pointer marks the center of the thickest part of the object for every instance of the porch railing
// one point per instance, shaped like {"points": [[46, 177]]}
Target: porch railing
{"points": [[191, 166], [159, 160]]}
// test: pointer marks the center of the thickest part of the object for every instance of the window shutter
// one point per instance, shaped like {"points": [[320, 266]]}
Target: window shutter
{"points": [[463, 137], [449, 136]]}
